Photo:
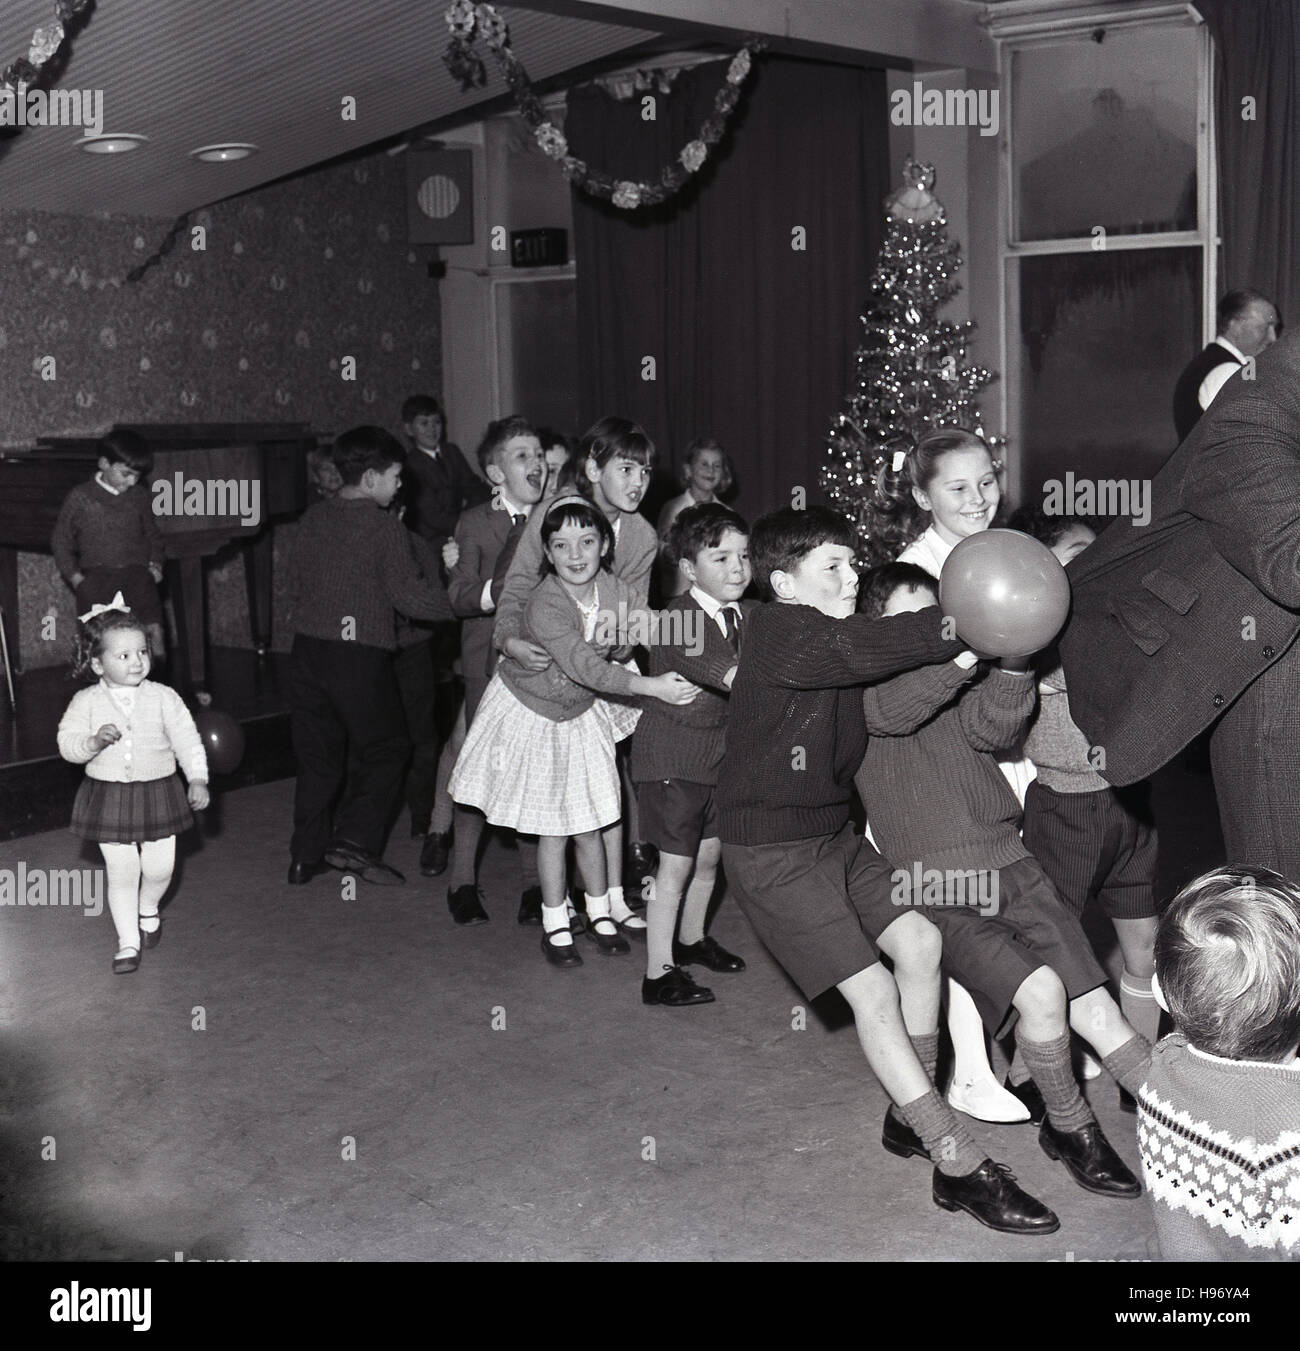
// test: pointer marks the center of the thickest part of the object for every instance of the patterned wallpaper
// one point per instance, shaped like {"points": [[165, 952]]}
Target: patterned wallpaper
{"points": [[294, 278]]}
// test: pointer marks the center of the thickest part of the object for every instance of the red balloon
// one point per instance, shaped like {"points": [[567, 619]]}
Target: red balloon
{"points": [[1007, 593], [223, 739]]}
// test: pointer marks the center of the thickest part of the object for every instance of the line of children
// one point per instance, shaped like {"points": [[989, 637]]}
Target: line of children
{"points": [[677, 749], [539, 756], [130, 732], [942, 811]]}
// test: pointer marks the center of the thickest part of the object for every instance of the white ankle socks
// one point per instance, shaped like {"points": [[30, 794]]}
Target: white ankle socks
{"points": [[598, 912], [620, 911], [554, 918]]}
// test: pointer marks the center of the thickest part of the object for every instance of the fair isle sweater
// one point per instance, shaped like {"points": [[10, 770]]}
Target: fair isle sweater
{"points": [[1220, 1145], [930, 780], [98, 528], [795, 731], [157, 731]]}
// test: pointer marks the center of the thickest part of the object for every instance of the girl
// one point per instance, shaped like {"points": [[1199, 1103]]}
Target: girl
{"points": [[707, 474], [927, 501], [130, 732], [539, 756]]}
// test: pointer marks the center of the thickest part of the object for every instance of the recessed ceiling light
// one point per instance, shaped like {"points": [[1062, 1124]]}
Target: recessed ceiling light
{"points": [[224, 154], [111, 143]]}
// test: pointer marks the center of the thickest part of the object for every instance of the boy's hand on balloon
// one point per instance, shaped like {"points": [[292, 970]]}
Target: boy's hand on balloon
{"points": [[198, 796], [106, 735], [1014, 665]]}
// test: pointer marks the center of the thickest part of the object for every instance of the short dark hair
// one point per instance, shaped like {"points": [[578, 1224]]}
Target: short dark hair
{"points": [[362, 448], [498, 433], [1235, 303], [702, 527], [123, 447], [880, 583], [421, 405], [615, 438], [1031, 519], [1228, 960], [550, 438], [781, 540], [577, 511]]}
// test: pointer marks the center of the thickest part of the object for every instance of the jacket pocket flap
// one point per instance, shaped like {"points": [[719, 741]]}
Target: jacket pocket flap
{"points": [[1135, 618], [1179, 595]]}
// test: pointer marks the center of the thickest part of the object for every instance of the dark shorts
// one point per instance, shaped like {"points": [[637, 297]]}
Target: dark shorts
{"points": [[817, 904], [1012, 922], [1095, 846], [136, 583], [676, 815]]}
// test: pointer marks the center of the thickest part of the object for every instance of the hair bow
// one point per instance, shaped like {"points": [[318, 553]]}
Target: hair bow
{"points": [[117, 603], [900, 457]]}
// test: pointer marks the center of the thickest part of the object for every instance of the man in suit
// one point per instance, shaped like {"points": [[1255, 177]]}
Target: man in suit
{"points": [[1191, 620], [1247, 323]]}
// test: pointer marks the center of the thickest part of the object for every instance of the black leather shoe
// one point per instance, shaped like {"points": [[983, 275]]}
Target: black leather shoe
{"points": [[1092, 1162], [351, 858], [530, 906], [992, 1196], [607, 944], [674, 989], [642, 861], [561, 956], [1127, 1102], [301, 871], [435, 854], [466, 906], [123, 966], [707, 952], [151, 937], [1028, 1094], [899, 1138]]}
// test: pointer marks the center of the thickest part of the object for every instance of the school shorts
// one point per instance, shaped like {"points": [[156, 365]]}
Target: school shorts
{"points": [[818, 905], [676, 815], [1019, 925], [1095, 846]]}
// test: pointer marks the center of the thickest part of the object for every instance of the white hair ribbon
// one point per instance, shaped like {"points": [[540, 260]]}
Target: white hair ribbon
{"points": [[900, 456], [117, 603]]}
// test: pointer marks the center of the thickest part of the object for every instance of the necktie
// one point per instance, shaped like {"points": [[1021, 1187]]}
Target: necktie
{"points": [[731, 622], [518, 517]]}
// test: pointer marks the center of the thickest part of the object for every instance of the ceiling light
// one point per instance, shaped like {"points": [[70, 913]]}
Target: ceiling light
{"points": [[226, 153], [111, 143]]}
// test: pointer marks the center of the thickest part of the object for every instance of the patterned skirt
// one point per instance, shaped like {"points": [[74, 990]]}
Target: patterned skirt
{"points": [[537, 776], [127, 813]]}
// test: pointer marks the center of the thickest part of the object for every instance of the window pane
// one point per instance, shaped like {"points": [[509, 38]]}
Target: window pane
{"points": [[1104, 337], [1105, 134]]}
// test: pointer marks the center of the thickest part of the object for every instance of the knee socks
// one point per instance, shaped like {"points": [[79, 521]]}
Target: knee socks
{"points": [[1138, 1004], [950, 1145], [1049, 1064], [1128, 1065]]}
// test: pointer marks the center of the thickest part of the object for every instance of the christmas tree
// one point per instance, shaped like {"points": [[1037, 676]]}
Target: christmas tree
{"points": [[911, 367]]}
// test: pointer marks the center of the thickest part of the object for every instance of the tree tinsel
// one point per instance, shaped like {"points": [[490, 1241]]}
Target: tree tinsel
{"points": [[911, 366]]}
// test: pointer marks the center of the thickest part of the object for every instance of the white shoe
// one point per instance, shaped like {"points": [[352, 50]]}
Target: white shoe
{"points": [[1088, 1066], [986, 1100]]}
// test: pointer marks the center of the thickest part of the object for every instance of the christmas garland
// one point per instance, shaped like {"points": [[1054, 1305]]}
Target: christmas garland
{"points": [[468, 21], [46, 41]]}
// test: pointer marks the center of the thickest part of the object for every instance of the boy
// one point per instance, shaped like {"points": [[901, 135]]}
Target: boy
{"points": [[676, 750], [817, 894], [106, 539], [1219, 1114], [352, 566], [438, 485], [511, 458], [942, 812]]}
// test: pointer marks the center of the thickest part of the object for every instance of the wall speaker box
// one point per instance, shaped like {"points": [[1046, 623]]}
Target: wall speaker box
{"points": [[440, 196]]}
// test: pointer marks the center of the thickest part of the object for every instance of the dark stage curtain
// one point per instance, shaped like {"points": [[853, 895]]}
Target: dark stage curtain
{"points": [[1258, 56], [753, 341]]}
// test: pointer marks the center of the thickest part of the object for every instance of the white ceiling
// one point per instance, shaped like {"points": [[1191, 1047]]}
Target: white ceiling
{"points": [[188, 73]]}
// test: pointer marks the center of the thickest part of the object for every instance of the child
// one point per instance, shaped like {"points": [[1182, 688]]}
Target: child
{"points": [[510, 456], [817, 894], [676, 751], [106, 539], [707, 474], [539, 756], [1220, 1108], [616, 459], [929, 498], [351, 568], [130, 732], [945, 816], [1096, 842], [438, 485], [561, 461]]}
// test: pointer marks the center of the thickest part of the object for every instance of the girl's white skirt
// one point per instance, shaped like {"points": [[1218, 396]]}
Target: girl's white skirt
{"points": [[541, 777]]}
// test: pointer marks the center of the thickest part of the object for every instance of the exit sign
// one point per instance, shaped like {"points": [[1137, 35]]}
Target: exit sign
{"points": [[539, 248]]}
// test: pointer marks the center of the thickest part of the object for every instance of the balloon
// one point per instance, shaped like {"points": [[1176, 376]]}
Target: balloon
{"points": [[1007, 593], [223, 739]]}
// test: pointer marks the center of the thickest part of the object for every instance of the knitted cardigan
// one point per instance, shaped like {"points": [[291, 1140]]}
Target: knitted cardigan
{"points": [[159, 732]]}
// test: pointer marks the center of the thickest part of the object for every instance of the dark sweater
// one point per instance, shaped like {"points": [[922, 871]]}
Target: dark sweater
{"points": [[352, 561], [795, 731], [100, 529], [930, 780], [685, 742]]}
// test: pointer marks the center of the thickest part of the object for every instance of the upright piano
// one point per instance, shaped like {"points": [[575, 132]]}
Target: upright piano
{"points": [[34, 482]]}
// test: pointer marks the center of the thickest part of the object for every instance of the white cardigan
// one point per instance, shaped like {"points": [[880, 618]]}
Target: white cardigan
{"points": [[157, 733]]}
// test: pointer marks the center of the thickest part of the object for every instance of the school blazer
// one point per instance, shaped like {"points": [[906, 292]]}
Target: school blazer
{"points": [[1170, 622], [481, 533]]}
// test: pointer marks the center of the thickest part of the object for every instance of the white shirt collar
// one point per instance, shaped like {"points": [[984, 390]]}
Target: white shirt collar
{"points": [[714, 608], [508, 506], [1232, 347], [107, 486], [432, 454]]}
